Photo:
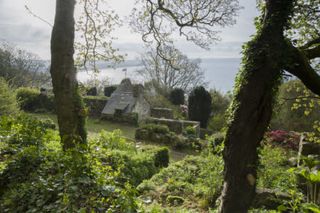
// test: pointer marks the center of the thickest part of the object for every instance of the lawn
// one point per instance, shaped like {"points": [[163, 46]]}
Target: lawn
{"points": [[94, 126]]}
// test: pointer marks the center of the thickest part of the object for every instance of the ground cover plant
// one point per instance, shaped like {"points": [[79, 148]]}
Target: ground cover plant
{"points": [[37, 176]]}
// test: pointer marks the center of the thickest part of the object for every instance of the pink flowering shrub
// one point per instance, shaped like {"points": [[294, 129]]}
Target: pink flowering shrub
{"points": [[283, 138]]}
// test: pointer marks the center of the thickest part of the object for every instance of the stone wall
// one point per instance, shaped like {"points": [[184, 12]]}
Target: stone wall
{"points": [[129, 118], [176, 126], [161, 113]]}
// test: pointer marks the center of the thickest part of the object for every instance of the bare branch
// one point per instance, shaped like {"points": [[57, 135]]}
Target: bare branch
{"points": [[36, 16], [156, 20]]}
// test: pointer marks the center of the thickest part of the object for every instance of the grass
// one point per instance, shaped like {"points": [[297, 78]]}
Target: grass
{"points": [[94, 127]]}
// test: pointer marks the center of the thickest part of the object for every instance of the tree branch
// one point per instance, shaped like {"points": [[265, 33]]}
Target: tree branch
{"points": [[313, 52], [310, 43], [302, 69]]}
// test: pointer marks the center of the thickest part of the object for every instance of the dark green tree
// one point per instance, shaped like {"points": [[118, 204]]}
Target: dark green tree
{"points": [[177, 96], [199, 106]]}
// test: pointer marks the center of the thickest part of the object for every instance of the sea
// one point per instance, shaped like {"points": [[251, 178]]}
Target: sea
{"points": [[219, 72]]}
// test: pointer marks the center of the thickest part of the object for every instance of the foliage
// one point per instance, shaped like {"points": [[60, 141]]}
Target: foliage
{"points": [[162, 129], [177, 96], [8, 102], [215, 143], [273, 170], [305, 23], [200, 106], [21, 68], [309, 174], [37, 176], [178, 72], [162, 135], [220, 104], [31, 100], [283, 139], [193, 183], [160, 100], [297, 109], [95, 27], [190, 131]]}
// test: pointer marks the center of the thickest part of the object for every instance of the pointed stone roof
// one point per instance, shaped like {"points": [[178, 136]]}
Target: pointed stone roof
{"points": [[122, 99]]}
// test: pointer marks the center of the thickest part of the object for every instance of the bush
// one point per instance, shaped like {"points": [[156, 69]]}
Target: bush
{"points": [[109, 90], [200, 106], [40, 177], [177, 96], [31, 100], [219, 105], [136, 165], [160, 155], [193, 182], [8, 103], [162, 135], [283, 139], [162, 129], [27, 98], [23, 130], [273, 172]]}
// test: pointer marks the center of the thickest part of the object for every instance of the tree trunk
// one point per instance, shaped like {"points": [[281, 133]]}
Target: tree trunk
{"points": [[69, 106], [251, 109]]}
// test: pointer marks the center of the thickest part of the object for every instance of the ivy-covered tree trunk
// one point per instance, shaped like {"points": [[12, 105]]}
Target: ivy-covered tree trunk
{"points": [[251, 109], [69, 105]]}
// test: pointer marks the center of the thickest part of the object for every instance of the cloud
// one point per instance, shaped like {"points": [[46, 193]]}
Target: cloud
{"points": [[22, 33], [19, 27]]}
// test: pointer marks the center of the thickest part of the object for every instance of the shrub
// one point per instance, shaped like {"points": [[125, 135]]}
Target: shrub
{"points": [[23, 130], [162, 129], [160, 155], [283, 138], [187, 183], [215, 143], [40, 177], [177, 96], [220, 103], [273, 172], [8, 103], [27, 98], [32, 100], [109, 90], [162, 135], [190, 131], [200, 106]]}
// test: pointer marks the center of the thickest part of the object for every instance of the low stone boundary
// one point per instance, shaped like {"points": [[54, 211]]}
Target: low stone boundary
{"points": [[161, 113], [128, 118], [176, 126]]}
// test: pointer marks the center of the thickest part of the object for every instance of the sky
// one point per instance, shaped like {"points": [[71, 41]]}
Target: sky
{"points": [[20, 28]]}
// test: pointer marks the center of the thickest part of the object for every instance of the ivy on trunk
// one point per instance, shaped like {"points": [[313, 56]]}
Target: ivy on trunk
{"points": [[69, 106], [251, 109]]}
